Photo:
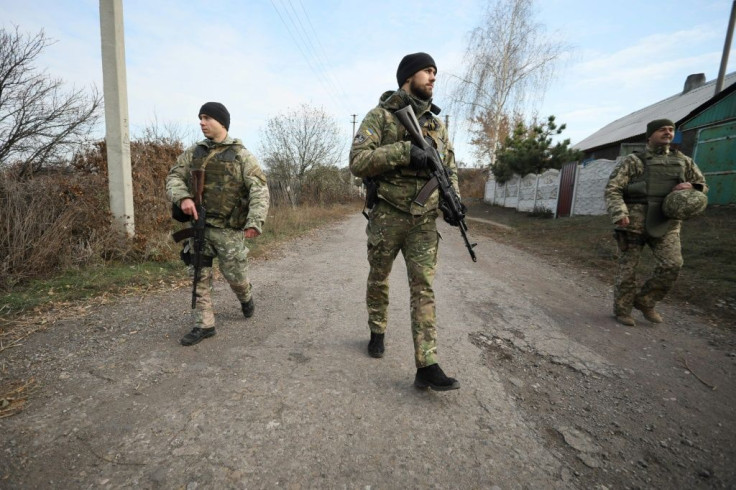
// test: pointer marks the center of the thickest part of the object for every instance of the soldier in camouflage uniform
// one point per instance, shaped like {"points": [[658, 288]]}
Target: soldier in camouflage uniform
{"points": [[236, 202], [634, 194], [383, 153]]}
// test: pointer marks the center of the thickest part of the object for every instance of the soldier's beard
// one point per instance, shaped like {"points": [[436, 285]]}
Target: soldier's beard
{"points": [[420, 91]]}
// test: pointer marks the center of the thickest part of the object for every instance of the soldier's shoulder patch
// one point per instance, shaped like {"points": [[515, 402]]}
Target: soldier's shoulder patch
{"points": [[362, 136]]}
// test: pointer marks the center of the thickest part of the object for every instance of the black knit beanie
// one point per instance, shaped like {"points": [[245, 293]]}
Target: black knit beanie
{"points": [[216, 111], [412, 63], [656, 124]]}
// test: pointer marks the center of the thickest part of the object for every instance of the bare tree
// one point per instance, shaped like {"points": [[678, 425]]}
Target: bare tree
{"points": [[508, 60], [39, 123], [299, 141]]}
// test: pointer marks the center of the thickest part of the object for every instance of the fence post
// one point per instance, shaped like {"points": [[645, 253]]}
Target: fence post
{"points": [[575, 189]]}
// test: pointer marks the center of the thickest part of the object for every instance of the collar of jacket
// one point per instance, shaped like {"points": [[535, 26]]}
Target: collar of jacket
{"points": [[393, 100], [659, 150], [229, 140]]}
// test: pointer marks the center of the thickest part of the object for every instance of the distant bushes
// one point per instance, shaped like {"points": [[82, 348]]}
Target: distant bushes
{"points": [[472, 183], [59, 218]]}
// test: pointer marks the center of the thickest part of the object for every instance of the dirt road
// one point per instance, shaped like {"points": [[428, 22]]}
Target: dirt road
{"points": [[554, 393]]}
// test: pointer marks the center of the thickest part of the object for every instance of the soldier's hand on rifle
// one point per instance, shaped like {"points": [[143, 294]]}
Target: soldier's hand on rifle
{"points": [[251, 233], [448, 216], [188, 207], [418, 157]]}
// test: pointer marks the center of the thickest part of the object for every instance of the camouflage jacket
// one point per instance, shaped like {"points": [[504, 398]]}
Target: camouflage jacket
{"points": [[631, 168], [381, 150], [235, 185]]}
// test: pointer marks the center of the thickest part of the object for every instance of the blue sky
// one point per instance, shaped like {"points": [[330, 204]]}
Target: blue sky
{"points": [[266, 57]]}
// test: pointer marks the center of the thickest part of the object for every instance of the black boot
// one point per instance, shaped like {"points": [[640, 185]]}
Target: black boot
{"points": [[197, 335], [375, 346], [433, 377], [248, 308]]}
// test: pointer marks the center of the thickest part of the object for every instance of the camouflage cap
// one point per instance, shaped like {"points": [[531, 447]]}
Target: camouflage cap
{"points": [[684, 204], [652, 126]]}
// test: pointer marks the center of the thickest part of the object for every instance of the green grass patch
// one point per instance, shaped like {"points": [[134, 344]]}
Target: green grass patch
{"points": [[82, 284]]}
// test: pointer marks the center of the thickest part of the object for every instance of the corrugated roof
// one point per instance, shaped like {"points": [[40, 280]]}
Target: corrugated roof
{"points": [[675, 108]]}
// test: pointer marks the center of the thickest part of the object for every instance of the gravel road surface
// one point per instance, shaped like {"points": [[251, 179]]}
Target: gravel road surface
{"points": [[554, 393]]}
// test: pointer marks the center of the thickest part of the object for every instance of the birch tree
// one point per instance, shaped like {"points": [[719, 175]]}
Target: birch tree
{"points": [[509, 62]]}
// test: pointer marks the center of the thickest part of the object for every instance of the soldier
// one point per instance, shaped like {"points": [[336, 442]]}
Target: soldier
{"points": [[636, 189], [236, 202], [396, 171]]}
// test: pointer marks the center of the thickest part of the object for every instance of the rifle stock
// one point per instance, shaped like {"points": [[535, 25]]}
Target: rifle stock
{"points": [[449, 201]]}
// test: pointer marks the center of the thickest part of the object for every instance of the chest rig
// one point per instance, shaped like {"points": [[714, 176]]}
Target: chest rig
{"points": [[223, 188]]}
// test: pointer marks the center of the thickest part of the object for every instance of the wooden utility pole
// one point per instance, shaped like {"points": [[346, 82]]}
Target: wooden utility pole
{"points": [[117, 132]]}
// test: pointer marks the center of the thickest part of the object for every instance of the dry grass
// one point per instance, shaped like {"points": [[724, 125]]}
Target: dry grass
{"points": [[14, 397], [472, 183], [707, 283], [286, 222]]}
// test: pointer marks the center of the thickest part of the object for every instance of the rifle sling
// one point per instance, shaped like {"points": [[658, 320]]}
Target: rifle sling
{"points": [[426, 191]]}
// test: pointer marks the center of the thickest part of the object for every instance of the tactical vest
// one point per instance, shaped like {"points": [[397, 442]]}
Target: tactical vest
{"points": [[661, 174], [225, 195]]}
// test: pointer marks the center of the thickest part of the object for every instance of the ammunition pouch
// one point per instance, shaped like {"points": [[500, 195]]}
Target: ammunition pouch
{"points": [[625, 239], [186, 257], [636, 193], [239, 216]]}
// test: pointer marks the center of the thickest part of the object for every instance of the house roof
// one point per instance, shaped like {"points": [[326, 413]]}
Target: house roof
{"points": [[675, 108]]}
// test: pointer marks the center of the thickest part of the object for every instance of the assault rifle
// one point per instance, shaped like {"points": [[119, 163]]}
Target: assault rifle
{"points": [[196, 231], [450, 204]]}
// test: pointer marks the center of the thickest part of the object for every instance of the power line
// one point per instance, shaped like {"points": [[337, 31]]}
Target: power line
{"points": [[306, 44], [321, 49]]}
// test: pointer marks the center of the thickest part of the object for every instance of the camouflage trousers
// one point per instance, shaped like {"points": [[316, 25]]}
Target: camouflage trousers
{"points": [[667, 264], [390, 231], [228, 245]]}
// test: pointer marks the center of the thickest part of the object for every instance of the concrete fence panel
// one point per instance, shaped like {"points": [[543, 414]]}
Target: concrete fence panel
{"points": [[541, 191]]}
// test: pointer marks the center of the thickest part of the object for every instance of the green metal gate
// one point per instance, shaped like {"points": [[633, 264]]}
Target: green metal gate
{"points": [[715, 154]]}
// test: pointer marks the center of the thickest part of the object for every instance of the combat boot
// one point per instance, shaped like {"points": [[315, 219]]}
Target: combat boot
{"points": [[375, 346], [248, 308], [626, 320], [649, 313], [197, 335], [433, 377]]}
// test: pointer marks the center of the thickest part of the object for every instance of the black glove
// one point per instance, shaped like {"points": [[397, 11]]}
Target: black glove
{"points": [[447, 215], [418, 159]]}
